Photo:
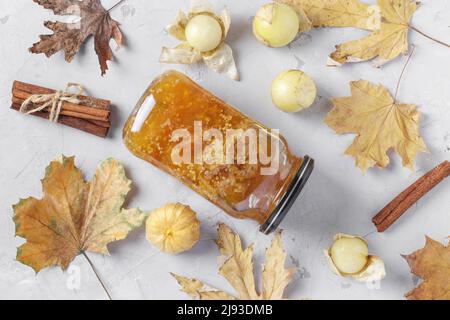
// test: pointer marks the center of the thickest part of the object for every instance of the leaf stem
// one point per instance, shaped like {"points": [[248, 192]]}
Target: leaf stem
{"points": [[96, 274], [429, 37], [116, 5], [403, 72]]}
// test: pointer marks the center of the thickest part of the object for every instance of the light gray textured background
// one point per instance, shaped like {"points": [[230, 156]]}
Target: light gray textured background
{"points": [[339, 198]]}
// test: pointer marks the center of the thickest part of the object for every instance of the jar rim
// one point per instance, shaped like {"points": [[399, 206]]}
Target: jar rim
{"points": [[293, 192]]}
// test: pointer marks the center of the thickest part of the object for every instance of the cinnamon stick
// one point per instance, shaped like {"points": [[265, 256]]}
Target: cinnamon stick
{"points": [[89, 110], [69, 109], [93, 111], [96, 128], [85, 100], [397, 207], [91, 115]]}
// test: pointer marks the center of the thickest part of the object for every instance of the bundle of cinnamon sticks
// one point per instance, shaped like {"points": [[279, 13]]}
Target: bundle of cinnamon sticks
{"points": [[91, 115]]}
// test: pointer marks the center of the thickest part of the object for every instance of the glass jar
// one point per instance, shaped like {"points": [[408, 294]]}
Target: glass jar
{"points": [[233, 161]]}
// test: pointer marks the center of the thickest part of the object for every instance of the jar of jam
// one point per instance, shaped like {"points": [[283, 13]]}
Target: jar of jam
{"points": [[238, 164]]}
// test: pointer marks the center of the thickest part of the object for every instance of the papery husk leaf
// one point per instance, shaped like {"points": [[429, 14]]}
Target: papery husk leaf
{"points": [[222, 61], [333, 267], [225, 17], [178, 27], [327, 253], [375, 271], [182, 54]]}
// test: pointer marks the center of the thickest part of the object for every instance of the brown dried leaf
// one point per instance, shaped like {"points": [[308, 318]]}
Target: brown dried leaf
{"points": [[176, 29], [432, 264], [94, 21], [238, 270], [74, 216]]}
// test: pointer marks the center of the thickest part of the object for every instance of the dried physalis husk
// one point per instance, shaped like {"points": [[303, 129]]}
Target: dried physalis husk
{"points": [[349, 257], [173, 228], [202, 33]]}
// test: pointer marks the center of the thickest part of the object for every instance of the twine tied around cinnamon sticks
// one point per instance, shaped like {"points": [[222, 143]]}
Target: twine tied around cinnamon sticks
{"points": [[88, 114], [53, 100]]}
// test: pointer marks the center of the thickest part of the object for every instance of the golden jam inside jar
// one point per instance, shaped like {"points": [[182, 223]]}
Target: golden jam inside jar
{"points": [[233, 161]]}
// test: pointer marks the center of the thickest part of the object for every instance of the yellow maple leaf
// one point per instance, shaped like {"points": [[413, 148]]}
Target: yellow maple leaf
{"points": [[432, 264], [385, 43], [337, 13], [74, 216], [380, 123], [238, 270]]}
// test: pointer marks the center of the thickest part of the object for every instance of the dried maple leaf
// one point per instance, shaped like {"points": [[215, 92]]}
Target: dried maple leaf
{"points": [[386, 43], [74, 216], [388, 21], [380, 123], [238, 270], [336, 13], [432, 264], [94, 21]]}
